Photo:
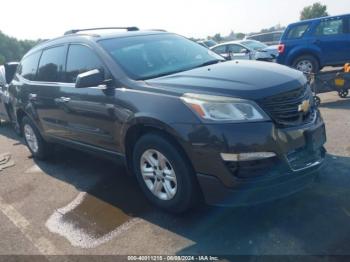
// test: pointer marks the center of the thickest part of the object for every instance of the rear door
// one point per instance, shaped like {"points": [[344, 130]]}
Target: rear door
{"points": [[88, 112], [331, 36], [45, 90]]}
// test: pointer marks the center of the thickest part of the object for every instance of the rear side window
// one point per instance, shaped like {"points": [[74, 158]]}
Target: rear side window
{"points": [[80, 59], [235, 49], [297, 31], [51, 64], [330, 27], [29, 66], [220, 49]]}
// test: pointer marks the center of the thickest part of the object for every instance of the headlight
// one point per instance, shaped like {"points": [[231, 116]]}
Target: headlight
{"points": [[220, 108]]}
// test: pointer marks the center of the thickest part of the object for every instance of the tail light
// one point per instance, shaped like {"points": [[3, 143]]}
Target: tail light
{"points": [[281, 48]]}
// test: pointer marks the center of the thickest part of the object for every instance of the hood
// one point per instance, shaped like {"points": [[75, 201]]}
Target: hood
{"points": [[241, 78]]}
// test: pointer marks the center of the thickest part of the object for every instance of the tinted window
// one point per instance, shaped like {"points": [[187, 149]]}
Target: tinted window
{"points": [[297, 31], [220, 49], [255, 45], [51, 64], [80, 59], [330, 27], [29, 66], [235, 49]]}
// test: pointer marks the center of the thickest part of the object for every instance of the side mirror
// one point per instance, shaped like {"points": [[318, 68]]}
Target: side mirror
{"points": [[89, 79]]}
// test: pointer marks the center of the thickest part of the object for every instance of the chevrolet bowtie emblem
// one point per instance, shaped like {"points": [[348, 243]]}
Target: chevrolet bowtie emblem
{"points": [[304, 106]]}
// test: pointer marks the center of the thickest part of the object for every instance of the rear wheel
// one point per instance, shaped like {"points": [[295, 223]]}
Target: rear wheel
{"points": [[164, 174], [306, 64], [34, 141]]}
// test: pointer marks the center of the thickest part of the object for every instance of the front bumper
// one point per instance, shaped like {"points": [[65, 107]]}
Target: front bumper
{"points": [[243, 183]]}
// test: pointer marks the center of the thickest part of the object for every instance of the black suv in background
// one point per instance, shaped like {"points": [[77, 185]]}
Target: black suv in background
{"points": [[187, 123]]}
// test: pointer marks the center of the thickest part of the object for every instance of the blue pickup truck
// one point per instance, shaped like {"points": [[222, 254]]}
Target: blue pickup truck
{"points": [[312, 44]]}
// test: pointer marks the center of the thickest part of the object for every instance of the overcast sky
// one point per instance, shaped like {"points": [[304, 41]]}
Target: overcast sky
{"points": [[34, 19]]}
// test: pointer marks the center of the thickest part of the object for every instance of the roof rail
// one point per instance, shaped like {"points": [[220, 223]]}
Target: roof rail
{"points": [[74, 31]]}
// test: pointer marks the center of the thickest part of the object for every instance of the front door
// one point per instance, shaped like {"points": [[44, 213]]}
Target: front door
{"points": [[87, 112]]}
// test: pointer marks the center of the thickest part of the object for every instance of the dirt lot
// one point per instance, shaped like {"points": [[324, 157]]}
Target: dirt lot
{"points": [[79, 204]]}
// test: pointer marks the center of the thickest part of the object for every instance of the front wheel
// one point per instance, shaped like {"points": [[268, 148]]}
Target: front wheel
{"points": [[164, 174], [307, 64]]}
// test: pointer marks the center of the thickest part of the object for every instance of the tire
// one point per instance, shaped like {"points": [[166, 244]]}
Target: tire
{"points": [[187, 192], [317, 101], [307, 64], [343, 93], [31, 134]]}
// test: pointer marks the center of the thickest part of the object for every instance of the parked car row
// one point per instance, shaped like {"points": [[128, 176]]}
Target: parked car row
{"points": [[307, 45]]}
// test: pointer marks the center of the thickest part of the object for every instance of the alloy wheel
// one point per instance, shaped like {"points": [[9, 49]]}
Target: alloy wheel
{"points": [[31, 138], [158, 174]]}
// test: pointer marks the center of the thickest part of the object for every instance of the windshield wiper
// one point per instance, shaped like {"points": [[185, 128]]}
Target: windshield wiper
{"points": [[210, 62], [164, 74]]}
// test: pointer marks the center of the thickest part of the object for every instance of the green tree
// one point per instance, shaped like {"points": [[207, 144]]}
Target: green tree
{"points": [[240, 36], [217, 38], [12, 49], [314, 11]]}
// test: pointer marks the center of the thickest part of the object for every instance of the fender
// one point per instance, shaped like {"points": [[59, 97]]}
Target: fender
{"points": [[301, 50], [146, 121]]}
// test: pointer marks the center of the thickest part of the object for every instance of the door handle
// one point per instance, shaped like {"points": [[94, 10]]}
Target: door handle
{"points": [[64, 99], [32, 97]]}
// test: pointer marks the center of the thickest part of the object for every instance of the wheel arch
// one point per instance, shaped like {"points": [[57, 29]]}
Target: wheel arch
{"points": [[144, 126], [304, 52]]}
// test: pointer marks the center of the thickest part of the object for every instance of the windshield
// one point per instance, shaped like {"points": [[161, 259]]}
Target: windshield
{"points": [[150, 56], [255, 45]]}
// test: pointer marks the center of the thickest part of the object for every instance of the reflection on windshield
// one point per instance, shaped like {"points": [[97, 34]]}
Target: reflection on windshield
{"points": [[150, 56]]}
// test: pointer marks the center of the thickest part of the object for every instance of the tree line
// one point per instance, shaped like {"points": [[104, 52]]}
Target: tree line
{"points": [[313, 11], [12, 49]]}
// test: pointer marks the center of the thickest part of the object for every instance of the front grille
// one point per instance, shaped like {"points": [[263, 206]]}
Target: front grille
{"points": [[284, 107]]}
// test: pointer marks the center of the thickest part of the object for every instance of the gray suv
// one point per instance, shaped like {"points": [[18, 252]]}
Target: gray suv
{"points": [[189, 125]]}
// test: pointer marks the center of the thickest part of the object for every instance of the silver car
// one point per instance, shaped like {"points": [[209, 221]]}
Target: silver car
{"points": [[246, 49], [7, 72]]}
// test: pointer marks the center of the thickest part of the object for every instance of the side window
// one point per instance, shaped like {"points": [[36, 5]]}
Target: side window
{"points": [[236, 49], [29, 66], [330, 27], [220, 49], [297, 31], [51, 64], [80, 59]]}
